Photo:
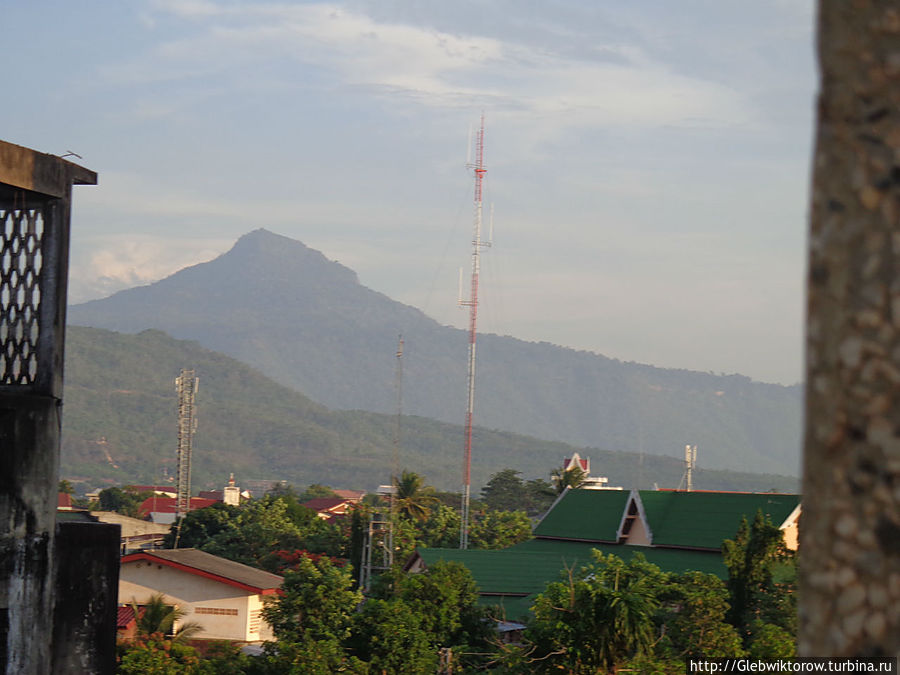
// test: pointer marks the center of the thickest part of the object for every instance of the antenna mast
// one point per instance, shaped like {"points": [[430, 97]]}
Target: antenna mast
{"points": [[690, 463], [472, 304], [186, 385]]}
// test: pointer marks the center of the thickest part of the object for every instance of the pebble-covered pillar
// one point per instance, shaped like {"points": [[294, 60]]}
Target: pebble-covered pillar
{"points": [[850, 528]]}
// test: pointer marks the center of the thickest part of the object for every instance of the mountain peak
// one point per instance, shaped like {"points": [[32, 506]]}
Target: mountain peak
{"points": [[267, 251]]}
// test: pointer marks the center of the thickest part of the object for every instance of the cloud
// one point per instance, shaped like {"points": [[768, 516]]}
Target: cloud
{"points": [[102, 266], [428, 67]]}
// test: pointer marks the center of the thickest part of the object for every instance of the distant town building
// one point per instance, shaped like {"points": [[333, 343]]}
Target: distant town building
{"points": [[224, 597], [136, 534], [163, 509], [590, 482], [230, 494]]}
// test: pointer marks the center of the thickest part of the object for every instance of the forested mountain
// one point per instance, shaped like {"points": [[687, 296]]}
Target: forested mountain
{"points": [[307, 323], [119, 424]]}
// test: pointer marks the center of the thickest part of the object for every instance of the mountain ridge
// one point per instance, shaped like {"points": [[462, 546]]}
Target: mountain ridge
{"points": [[120, 422], [308, 323]]}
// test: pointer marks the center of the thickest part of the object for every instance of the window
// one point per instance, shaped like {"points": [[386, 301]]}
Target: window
{"points": [[254, 620], [222, 611]]}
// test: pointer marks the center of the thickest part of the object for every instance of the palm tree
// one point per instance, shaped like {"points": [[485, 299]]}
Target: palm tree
{"points": [[414, 498], [159, 617], [573, 477], [627, 610]]}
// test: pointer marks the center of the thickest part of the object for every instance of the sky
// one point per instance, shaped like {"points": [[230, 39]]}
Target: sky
{"points": [[648, 162]]}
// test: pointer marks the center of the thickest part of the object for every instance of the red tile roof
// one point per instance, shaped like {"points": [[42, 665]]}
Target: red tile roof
{"points": [[167, 504], [321, 504], [124, 618], [585, 463], [63, 500]]}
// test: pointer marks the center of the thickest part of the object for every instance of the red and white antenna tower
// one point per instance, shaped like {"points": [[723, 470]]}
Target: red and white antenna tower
{"points": [[472, 304]]}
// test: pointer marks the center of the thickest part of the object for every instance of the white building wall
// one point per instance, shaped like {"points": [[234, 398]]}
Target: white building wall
{"points": [[224, 611]]}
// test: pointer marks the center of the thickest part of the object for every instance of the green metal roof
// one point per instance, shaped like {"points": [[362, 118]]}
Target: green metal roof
{"points": [[667, 559], [512, 577], [591, 515], [706, 519]]}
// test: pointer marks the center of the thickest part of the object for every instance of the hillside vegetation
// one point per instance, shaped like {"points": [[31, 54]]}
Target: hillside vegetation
{"points": [[119, 425], [307, 323]]}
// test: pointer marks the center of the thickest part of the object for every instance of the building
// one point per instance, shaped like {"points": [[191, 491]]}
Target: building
{"points": [[230, 494], [163, 509], [677, 531], [224, 597], [590, 482], [137, 535], [329, 508]]}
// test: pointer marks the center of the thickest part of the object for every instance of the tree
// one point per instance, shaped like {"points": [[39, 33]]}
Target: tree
{"points": [[311, 619], [315, 491], [500, 529], [758, 597], [505, 490], [540, 496], [65, 487], [692, 613], [201, 525], [157, 617], [155, 655], [563, 478], [388, 634], [598, 617], [414, 498], [127, 501]]}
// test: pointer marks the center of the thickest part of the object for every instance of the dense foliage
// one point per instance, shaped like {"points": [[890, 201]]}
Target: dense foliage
{"points": [[605, 616], [612, 614]]}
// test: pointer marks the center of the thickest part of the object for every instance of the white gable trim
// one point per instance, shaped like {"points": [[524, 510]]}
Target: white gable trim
{"points": [[791, 519], [635, 497]]}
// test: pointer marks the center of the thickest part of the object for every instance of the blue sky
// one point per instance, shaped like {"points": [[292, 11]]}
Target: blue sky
{"points": [[648, 162]]}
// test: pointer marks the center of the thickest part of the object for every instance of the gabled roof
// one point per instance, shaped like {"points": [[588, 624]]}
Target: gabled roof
{"points": [[584, 515], [327, 503], [194, 561], [353, 495], [168, 504], [158, 489], [124, 618], [706, 519], [583, 464]]}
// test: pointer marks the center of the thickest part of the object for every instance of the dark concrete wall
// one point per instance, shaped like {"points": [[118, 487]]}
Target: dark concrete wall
{"points": [[29, 455], [87, 588]]}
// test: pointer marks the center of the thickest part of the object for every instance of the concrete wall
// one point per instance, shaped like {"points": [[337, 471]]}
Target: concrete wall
{"points": [[87, 577], [140, 579]]}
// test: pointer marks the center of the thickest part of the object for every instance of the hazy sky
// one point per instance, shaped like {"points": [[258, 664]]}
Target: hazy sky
{"points": [[648, 161]]}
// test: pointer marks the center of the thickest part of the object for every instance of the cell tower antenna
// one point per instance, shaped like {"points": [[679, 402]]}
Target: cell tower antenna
{"points": [[690, 463], [472, 304], [186, 385]]}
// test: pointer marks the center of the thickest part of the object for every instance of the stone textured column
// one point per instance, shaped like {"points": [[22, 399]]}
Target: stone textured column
{"points": [[850, 528]]}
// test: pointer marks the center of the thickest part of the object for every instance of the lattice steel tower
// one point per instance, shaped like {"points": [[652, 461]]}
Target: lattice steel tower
{"points": [[186, 385], [472, 304]]}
